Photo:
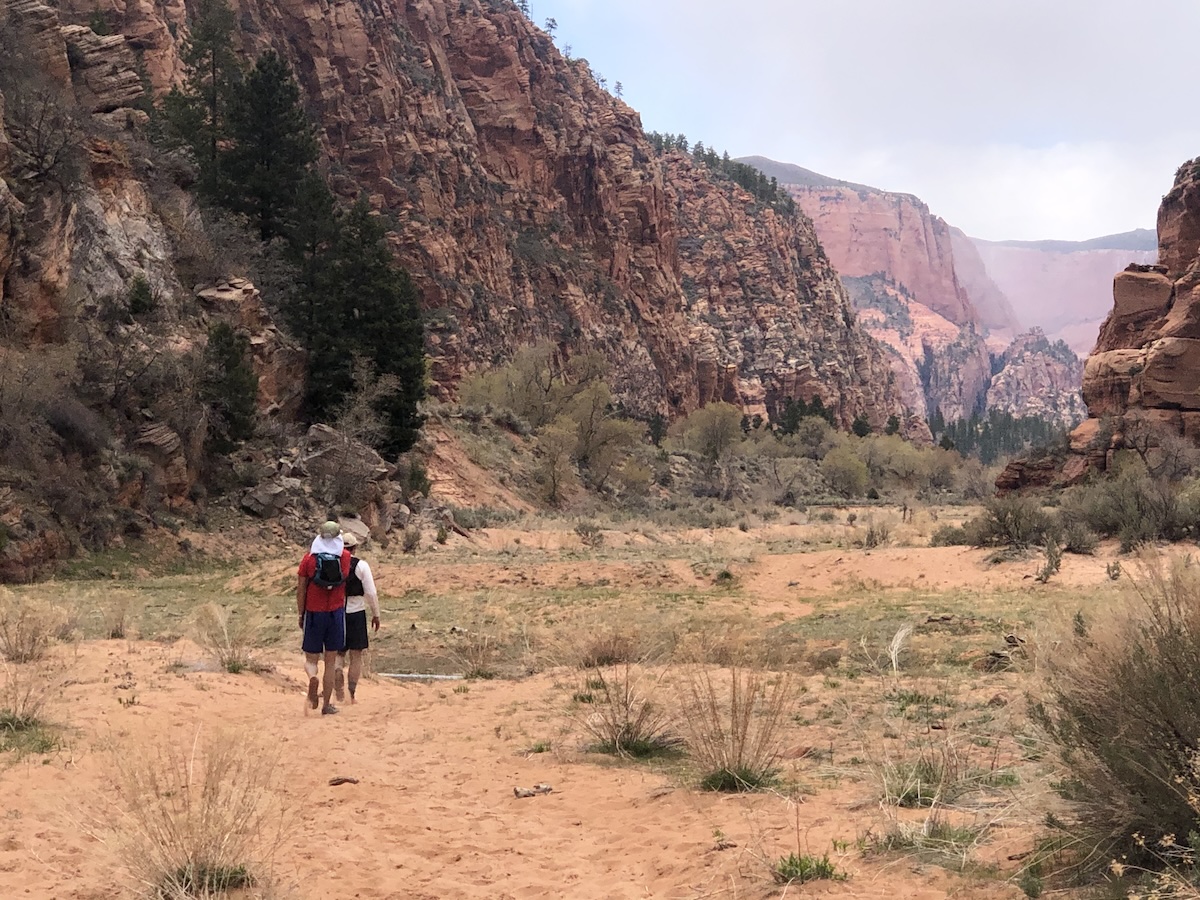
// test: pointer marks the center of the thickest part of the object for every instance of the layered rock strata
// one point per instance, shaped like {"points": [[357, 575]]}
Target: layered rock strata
{"points": [[529, 207]]}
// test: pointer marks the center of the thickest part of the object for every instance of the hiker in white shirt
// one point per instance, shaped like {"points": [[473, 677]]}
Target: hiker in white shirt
{"points": [[360, 593]]}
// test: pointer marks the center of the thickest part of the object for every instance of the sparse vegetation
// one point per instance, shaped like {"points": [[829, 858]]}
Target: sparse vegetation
{"points": [[1124, 719], [198, 819], [27, 628], [798, 868], [230, 636], [734, 730], [625, 715]]}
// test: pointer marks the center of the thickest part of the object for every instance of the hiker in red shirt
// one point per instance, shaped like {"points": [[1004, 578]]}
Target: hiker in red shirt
{"points": [[321, 604]]}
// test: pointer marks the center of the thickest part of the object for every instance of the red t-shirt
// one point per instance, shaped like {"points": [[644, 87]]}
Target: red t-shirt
{"points": [[322, 599]]}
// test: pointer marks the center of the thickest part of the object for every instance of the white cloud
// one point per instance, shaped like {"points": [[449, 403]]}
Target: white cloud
{"points": [[1024, 119]]}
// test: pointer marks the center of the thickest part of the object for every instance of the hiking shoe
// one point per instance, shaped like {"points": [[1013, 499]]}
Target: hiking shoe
{"points": [[329, 710], [339, 685], [313, 686]]}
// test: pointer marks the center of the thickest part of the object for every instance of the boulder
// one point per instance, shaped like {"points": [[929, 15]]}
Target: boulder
{"points": [[270, 498]]}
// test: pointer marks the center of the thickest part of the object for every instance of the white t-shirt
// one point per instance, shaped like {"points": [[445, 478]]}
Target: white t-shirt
{"points": [[358, 604]]}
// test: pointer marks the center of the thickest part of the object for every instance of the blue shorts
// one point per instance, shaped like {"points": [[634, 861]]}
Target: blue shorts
{"points": [[324, 631]]}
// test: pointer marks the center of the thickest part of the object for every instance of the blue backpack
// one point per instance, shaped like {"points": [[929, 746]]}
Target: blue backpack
{"points": [[329, 571]]}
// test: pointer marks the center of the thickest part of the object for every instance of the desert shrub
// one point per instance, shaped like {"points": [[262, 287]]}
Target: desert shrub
{"points": [[443, 533], [1008, 522], [801, 867], [1077, 538], [877, 535], [1053, 561], [411, 541], [603, 646], [844, 472], [623, 715], [1122, 706], [734, 730], [1131, 506], [939, 773], [115, 615], [949, 536], [25, 693], [199, 819], [476, 653], [27, 628], [590, 534], [230, 637]]}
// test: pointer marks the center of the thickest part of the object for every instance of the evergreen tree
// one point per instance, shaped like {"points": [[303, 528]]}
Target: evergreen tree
{"points": [[357, 301], [271, 147], [893, 425], [195, 114], [229, 388], [861, 426]]}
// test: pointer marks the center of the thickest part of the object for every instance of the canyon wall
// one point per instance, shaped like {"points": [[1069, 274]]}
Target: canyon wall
{"points": [[529, 207]]}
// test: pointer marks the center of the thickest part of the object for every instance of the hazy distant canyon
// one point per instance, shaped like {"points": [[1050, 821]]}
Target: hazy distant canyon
{"points": [[970, 324]]}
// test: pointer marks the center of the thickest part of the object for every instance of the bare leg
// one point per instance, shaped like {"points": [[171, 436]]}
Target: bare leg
{"points": [[327, 683], [339, 681], [355, 672], [310, 668]]}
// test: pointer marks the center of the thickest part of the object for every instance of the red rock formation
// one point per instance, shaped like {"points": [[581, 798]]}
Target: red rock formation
{"points": [[529, 205], [993, 308], [869, 232], [1143, 377], [1038, 378], [1065, 292]]}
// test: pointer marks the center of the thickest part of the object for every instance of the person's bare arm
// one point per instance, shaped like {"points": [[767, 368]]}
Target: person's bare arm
{"points": [[370, 594], [301, 593]]}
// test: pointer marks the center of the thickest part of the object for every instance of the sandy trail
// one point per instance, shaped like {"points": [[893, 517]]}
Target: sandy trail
{"points": [[433, 814]]}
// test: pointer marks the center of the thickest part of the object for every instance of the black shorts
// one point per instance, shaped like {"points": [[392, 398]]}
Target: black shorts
{"points": [[356, 630]]}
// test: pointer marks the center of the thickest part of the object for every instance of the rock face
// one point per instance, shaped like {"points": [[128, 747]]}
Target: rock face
{"points": [[529, 206], [1142, 383], [1038, 378], [1063, 288], [992, 305], [869, 232]]}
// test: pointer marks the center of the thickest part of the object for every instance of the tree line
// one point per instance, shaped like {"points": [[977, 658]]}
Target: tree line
{"points": [[993, 435], [345, 300], [756, 183]]}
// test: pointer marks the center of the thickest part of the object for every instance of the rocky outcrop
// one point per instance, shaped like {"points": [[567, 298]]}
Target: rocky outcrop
{"points": [[104, 69], [1142, 383], [278, 362], [529, 206], [1038, 378]]}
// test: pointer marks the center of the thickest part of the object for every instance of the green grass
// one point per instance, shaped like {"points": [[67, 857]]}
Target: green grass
{"points": [[739, 781], [801, 867]]}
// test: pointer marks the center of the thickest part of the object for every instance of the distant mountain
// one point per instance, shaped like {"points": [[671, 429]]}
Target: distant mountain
{"points": [[786, 173], [1140, 239]]}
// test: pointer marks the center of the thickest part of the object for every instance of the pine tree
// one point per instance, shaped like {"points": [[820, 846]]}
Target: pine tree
{"points": [[229, 388], [358, 301], [270, 150], [195, 114]]}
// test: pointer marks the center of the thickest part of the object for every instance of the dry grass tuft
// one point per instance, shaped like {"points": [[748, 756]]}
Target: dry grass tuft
{"points": [[477, 652], [618, 708], [734, 730], [115, 617], [27, 629], [229, 636], [199, 820]]}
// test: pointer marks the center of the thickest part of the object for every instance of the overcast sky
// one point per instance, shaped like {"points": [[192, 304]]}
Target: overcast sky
{"points": [[1021, 119]]}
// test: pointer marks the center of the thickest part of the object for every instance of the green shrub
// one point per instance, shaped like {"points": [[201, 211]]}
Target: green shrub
{"points": [[1132, 506], [140, 296], [1009, 522], [1124, 710], [949, 536], [1077, 538], [800, 867]]}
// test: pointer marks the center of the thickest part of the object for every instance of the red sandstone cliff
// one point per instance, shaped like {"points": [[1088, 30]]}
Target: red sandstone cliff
{"points": [[1142, 381], [869, 232], [991, 304], [529, 206]]}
